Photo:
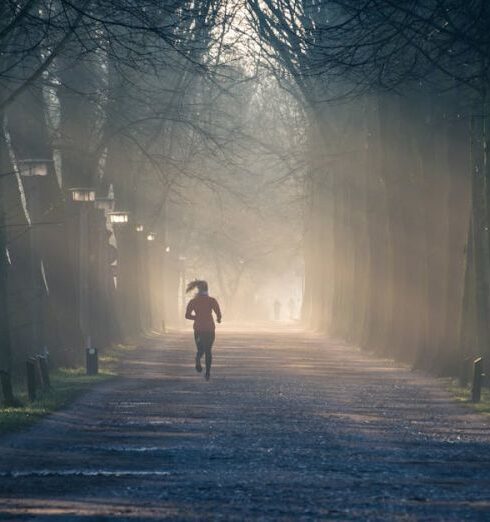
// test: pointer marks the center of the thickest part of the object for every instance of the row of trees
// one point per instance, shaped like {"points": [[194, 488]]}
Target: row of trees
{"points": [[156, 109], [92, 95], [395, 98], [174, 109]]}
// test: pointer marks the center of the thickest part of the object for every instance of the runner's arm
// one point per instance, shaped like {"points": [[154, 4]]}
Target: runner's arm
{"points": [[188, 312], [217, 310]]}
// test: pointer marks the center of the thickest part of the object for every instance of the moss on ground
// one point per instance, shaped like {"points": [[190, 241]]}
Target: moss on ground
{"points": [[66, 385]]}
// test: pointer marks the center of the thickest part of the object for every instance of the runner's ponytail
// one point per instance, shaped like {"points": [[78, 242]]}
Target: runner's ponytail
{"points": [[202, 286]]}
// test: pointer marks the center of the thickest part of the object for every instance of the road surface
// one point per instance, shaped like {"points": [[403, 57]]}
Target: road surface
{"points": [[290, 427]]}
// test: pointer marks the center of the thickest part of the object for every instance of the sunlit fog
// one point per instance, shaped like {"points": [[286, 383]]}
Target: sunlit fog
{"points": [[244, 260]]}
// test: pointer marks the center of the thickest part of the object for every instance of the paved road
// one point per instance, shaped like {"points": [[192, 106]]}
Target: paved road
{"points": [[291, 427]]}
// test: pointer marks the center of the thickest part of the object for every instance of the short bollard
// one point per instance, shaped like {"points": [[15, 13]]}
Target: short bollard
{"points": [[477, 380], [31, 379], [92, 361]]}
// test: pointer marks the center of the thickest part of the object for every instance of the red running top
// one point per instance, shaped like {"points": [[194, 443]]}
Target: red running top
{"points": [[200, 310]]}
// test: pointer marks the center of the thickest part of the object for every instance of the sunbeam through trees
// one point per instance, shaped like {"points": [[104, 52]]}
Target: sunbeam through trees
{"points": [[320, 167], [246, 137]]}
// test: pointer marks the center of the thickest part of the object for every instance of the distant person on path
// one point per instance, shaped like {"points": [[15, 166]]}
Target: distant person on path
{"points": [[200, 310], [277, 309]]}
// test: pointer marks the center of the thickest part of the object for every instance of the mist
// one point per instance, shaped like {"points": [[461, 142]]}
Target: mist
{"points": [[293, 168], [244, 259]]}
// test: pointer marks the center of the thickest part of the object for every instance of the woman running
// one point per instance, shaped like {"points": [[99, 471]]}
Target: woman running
{"points": [[200, 310]]}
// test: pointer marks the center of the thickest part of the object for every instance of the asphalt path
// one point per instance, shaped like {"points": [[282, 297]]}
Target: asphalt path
{"points": [[290, 427]]}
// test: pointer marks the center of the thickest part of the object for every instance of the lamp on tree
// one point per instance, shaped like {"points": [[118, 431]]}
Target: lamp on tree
{"points": [[82, 195], [140, 228], [35, 182], [151, 236], [121, 217], [34, 167]]}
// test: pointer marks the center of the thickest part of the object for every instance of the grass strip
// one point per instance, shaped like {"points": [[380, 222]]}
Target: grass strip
{"points": [[67, 384], [463, 395]]}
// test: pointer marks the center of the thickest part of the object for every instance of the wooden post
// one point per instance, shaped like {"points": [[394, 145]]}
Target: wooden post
{"points": [[92, 361], [31, 379], [477, 380], [7, 392]]}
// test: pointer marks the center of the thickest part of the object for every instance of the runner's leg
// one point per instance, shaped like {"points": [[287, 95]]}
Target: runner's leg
{"points": [[200, 350], [209, 355]]}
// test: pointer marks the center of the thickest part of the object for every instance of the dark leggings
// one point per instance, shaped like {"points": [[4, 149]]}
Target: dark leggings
{"points": [[204, 344]]}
